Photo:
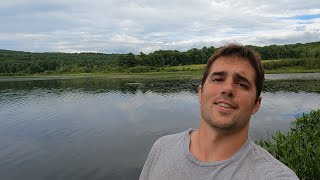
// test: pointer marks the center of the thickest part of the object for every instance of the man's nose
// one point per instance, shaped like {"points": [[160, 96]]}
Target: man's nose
{"points": [[228, 89]]}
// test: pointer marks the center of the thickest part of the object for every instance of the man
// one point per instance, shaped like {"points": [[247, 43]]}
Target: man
{"points": [[220, 149]]}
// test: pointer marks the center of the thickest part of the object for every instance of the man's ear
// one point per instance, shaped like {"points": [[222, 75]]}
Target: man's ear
{"points": [[257, 105], [199, 93]]}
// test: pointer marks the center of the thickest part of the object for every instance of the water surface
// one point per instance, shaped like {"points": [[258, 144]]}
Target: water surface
{"points": [[96, 128]]}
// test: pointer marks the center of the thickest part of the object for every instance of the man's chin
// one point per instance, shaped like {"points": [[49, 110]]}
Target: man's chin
{"points": [[227, 128], [220, 125]]}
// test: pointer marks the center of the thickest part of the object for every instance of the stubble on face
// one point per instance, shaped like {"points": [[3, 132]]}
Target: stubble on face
{"points": [[243, 102], [227, 128]]}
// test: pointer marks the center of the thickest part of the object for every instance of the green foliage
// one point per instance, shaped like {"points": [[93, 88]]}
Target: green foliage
{"points": [[307, 63], [16, 62], [307, 50], [193, 67], [299, 149], [127, 60]]}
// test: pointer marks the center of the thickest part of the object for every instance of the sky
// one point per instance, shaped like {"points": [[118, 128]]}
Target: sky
{"points": [[123, 26]]}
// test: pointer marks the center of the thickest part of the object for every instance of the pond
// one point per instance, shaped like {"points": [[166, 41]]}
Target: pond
{"points": [[97, 128]]}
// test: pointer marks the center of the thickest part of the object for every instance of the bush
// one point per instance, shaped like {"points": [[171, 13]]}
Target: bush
{"points": [[269, 65], [170, 70], [140, 69], [313, 63], [309, 63], [299, 149]]}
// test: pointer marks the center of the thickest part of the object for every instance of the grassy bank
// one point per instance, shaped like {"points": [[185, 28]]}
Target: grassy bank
{"points": [[185, 71], [270, 66], [193, 74], [297, 69], [299, 149], [114, 75]]}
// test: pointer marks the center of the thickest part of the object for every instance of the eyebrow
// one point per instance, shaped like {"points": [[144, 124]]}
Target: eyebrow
{"points": [[219, 73]]}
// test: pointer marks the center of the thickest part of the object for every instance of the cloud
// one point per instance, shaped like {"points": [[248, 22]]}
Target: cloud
{"points": [[142, 25]]}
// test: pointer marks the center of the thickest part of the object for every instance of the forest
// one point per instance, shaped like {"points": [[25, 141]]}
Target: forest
{"points": [[20, 63]]}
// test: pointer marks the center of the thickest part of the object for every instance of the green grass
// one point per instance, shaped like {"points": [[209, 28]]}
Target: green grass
{"points": [[271, 61], [190, 71], [125, 75], [297, 69], [193, 67], [299, 149]]}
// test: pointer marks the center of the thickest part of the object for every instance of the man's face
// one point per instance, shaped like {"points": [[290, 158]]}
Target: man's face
{"points": [[227, 98]]}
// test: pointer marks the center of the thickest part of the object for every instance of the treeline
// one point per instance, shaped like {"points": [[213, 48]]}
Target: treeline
{"points": [[167, 57], [307, 50], [16, 62], [200, 56]]}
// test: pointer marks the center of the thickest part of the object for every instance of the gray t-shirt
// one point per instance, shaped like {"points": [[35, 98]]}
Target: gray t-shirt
{"points": [[170, 158]]}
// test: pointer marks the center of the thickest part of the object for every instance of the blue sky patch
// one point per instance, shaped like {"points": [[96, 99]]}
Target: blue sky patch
{"points": [[306, 17]]}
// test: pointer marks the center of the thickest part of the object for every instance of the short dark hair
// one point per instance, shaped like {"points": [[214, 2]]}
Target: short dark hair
{"points": [[243, 52]]}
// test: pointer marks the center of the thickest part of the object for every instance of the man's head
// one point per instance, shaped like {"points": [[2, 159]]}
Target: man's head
{"points": [[241, 52], [231, 87]]}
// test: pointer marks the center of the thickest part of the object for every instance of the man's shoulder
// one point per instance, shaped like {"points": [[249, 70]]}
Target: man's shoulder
{"points": [[169, 140], [168, 145], [269, 165]]}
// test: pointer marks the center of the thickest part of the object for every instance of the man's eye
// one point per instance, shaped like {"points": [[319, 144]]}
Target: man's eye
{"points": [[217, 79], [242, 85]]}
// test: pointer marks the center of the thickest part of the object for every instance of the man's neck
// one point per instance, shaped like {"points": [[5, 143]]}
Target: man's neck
{"points": [[209, 145]]}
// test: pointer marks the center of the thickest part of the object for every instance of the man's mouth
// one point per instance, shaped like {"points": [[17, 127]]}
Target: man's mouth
{"points": [[225, 105]]}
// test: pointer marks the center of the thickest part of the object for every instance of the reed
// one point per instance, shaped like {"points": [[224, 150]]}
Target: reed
{"points": [[299, 148]]}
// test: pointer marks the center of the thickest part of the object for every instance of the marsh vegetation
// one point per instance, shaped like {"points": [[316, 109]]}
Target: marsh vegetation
{"points": [[299, 148]]}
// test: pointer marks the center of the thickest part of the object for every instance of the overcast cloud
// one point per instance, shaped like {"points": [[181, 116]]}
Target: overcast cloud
{"points": [[122, 26]]}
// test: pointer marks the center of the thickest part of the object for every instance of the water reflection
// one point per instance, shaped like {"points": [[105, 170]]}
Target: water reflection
{"points": [[96, 128]]}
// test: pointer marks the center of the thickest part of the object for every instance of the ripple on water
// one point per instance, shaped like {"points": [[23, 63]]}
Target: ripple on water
{"points": [[83, 132], [291, 102], [279, 109]]}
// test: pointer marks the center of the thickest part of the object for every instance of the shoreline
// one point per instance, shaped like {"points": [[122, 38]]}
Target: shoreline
{"points": [[153, 75], [171, 76]]}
